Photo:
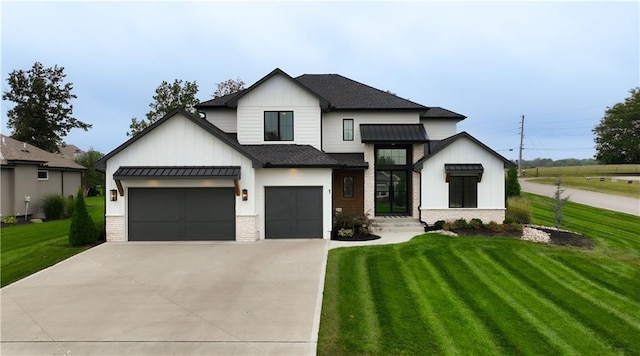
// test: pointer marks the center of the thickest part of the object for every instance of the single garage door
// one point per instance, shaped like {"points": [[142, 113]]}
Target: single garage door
{"points": [[181, 214], [293, 212]]}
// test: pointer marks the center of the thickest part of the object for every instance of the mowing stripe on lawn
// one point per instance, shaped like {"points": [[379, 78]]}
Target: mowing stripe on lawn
{"points": [[524, 313], [631, 320], [569, 329], [586, 281], [418, 286], [480, 338], [397, 309], [616, 330], [502, 322], [356, 307]]}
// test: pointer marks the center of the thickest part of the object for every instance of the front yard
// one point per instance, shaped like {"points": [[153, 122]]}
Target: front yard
{"points": [[26, 249], [475, 295]]}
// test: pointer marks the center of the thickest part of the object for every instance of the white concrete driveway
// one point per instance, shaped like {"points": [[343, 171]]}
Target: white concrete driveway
{"points": [[171, 299]]}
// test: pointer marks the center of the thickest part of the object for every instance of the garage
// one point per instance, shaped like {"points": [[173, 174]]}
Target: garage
{"points": [[293, 212], [181, 214]]}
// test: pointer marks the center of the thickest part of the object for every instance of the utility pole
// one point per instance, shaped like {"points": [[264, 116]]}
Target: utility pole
{"points": [[520, 155]]}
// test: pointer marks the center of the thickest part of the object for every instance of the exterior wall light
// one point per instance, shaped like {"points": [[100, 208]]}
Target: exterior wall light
{"points": [[245, 195], [113, 195]]}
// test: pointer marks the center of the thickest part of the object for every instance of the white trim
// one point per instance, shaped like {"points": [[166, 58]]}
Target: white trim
{"points": [[45, 171]]}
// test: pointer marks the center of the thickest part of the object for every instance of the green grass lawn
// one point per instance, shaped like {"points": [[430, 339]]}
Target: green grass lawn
{"points": [[609, 186], [584, 171], [476, 295], [26, 249]]}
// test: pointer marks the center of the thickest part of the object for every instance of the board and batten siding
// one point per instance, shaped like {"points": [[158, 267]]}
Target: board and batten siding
{"points": [[179, 142], [435, 190], [224, 119], [439, 129], [279, 93], [292, 177], [332, 127]]}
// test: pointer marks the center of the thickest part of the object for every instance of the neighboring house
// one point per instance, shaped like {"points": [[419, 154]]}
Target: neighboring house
{"points": [[72, 152], [30, 173], [277, 159]]}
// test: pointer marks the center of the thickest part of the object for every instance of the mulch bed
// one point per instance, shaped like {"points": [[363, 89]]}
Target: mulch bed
{"points": [[356, 237], [567, 238]]}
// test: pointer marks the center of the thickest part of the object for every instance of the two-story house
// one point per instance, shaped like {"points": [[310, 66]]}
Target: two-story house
{"points": [[277, 159]]}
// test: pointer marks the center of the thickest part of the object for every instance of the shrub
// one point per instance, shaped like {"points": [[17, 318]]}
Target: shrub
{"points": [[494, 226], [9, 219], [438, 225], [356, 223], [345, 233], [518, 211], [476, 223], [53, 206], [512, 186], [460, 224], [83, 229]]}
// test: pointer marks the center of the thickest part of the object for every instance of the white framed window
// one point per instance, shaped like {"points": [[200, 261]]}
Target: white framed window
{"points": [[43, 175]]}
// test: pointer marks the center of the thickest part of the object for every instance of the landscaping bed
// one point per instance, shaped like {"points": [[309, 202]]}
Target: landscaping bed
{"points": [[355, 237]]}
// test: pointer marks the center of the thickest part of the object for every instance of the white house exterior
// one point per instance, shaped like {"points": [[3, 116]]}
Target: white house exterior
{"points": [[277, 159]]}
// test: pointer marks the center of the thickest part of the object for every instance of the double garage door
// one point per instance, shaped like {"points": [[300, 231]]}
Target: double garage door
{"points": [[181, 214], [197, 214]]}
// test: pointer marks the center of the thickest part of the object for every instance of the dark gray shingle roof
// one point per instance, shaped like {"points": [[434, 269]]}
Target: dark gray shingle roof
{"points": [[393, 133], [290, 156], [441, 145], [145, 172], [441, 113], [345, 93], [350, 160]]}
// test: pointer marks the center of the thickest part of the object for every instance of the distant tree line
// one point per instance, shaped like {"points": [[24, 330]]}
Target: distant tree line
{"points": [[548, 162]]}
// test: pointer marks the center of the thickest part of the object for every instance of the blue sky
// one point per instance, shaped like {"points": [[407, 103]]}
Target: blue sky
{"points": [[558, 63]]}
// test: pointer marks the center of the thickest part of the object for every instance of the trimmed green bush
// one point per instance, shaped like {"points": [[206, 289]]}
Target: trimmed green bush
{"points": [[54, 207], [439, 225], [357, 223], [82, 230], [512, 186], [518, 211]]}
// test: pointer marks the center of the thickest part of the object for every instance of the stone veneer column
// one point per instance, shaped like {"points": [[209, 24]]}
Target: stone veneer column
{"points": [[369, 181], [114, 226], [246, 228]]}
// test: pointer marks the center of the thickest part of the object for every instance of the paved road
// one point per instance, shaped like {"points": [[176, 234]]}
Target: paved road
{"points": [[171, 299], [599, 200]]}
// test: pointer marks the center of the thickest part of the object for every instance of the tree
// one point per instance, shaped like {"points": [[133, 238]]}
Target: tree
{"points": [[558, 203], [42, 114], [178, 95], [227, 87], [82, 230], [618, 131], [91, 177], [512, 185]]}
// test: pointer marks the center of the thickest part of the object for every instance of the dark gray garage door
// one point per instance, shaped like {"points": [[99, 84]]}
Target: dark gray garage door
{"points": [[187, 214], [293, 212]]}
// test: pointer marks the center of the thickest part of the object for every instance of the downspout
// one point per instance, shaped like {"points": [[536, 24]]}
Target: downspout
{"points": [[428, 152]]}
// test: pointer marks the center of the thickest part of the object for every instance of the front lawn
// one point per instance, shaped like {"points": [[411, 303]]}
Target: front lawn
{"points": [[26, 249], [475, 295]]}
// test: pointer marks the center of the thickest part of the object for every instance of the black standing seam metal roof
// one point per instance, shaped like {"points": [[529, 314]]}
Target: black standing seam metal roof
{"points": [[462, 168], [393, 133], [199, 172]]}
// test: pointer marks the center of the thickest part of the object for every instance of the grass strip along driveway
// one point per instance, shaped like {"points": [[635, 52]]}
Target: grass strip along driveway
{"points": [[26, 249], [477, 295]]}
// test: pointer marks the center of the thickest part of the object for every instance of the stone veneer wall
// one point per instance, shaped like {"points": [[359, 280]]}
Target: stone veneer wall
{"points": [[114, 226], [246, 228], [369, 181], [430, 216]]}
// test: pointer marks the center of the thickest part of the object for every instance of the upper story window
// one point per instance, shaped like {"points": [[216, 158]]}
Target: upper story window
{"points": [[278, 125], [43, 175], [347, 129]]}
